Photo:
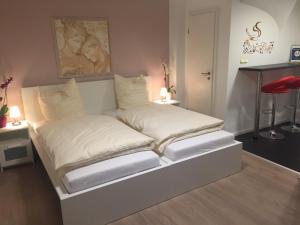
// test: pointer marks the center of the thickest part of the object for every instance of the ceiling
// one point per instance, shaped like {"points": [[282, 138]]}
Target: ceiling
{"points": [[280, 10]]}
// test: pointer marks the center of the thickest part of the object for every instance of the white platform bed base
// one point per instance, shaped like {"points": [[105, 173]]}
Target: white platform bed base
{"points": [[113, 200]]}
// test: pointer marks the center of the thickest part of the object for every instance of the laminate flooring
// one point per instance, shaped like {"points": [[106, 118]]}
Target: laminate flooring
{"points": [[261, 194]]}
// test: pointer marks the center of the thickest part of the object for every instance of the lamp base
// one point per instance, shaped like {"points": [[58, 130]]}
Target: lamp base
{"points": [[163, 99], [16, 123]]}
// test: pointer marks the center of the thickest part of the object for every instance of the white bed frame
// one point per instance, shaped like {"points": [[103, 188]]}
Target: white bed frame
{"points": [[108, 202]]}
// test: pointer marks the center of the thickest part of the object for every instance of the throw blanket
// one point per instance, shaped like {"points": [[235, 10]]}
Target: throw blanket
{"points": [[167, 123], [74, 142]]}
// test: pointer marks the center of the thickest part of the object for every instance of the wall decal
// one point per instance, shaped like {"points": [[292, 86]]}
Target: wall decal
{"points": [[253, 43], [82, 46]]}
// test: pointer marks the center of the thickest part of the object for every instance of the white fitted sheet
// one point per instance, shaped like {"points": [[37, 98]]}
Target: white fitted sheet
{"points": [[108, 170], [199, 144]]}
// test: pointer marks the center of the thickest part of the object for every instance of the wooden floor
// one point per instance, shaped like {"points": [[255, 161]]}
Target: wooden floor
{"points": [[261, 194]]}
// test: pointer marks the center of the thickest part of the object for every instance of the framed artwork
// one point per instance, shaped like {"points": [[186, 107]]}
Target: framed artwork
{"points": [[295, 54], [82, 46]]}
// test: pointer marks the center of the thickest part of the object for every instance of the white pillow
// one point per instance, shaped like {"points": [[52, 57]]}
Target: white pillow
{"points": [[61, 103], [131, 92]]}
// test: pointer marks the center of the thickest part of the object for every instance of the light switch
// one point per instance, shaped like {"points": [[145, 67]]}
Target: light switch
{"points": [[244, 61]]}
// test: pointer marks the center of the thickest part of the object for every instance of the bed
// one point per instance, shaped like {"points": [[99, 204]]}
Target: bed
{"points": [[177, 132], [94, 149], [168, 124], [115, 198]]}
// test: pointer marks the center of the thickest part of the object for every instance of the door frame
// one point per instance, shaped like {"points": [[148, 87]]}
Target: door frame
{"points": [[214, 72]]}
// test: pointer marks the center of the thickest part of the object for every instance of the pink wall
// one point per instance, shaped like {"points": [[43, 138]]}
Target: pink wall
{"points": [[139, 38]]}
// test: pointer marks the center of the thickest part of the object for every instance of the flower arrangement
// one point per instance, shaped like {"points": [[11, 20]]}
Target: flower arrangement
{"points": [[3, 101], [171, 89]]}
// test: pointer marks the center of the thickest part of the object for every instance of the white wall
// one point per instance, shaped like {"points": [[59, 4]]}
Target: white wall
{"points": [[235, 92], [241, 86], [179, 10]]}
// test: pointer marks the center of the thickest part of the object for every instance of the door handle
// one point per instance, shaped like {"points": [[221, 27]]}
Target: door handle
{"points": [[208, 73]]}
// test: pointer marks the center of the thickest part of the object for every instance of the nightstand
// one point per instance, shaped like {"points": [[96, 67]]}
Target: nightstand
{"points": [[167, 102], [15, 145]]}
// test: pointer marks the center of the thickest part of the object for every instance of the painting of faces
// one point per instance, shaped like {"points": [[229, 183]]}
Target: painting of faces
{"points": [[82, 47]]}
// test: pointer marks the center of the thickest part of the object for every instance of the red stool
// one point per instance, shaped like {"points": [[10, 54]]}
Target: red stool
{"points": [[295, 86], [274, 88]]}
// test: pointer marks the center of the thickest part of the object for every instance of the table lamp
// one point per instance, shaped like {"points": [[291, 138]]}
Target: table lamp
{"points": [[15, 114], [163, 94]]}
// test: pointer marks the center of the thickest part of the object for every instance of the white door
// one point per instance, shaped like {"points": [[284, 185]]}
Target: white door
{"points": [[200, 56]]}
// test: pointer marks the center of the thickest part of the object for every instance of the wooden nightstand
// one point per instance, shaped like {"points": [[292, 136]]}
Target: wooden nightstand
{"points": [[15, 145], [168, 102]]}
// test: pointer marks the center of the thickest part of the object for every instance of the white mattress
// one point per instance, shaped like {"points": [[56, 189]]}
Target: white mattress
{"points": [[108, 170], [199, 144]]}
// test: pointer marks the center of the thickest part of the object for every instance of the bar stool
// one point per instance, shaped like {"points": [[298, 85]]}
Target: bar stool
{"points": [[295, 86], [274, 88]]}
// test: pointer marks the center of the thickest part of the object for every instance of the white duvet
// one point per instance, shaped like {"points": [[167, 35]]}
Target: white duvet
{"points": [[75, 142], [167, 123]]}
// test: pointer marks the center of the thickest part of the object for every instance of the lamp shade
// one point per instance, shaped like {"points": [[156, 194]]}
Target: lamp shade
{"points": [[14, 112], [163, 92]]}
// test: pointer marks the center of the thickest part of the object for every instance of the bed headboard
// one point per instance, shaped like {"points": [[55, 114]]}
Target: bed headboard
{"points": [[98, 97]]}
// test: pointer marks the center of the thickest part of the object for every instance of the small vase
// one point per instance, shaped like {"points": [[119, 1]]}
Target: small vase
{"points": [[3, 121], [168, 96]]}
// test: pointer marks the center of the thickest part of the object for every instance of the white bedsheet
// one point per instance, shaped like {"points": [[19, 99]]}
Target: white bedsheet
{"points": [[108, 170], [167, 123], [199, 144], [76, 142]]}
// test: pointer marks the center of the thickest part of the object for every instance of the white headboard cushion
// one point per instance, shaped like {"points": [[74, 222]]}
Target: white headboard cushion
{"points": [[98, 97]]}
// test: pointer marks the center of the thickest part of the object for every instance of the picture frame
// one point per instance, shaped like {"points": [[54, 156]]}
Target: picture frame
{"points": [[82, 46], [295, 54]]}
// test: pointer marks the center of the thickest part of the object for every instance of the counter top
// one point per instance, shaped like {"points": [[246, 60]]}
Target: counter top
{"points": [[271, 67]]}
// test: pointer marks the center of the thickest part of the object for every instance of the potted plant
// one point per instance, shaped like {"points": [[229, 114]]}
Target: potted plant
{"points": [[171, 89], [3, 100]]}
